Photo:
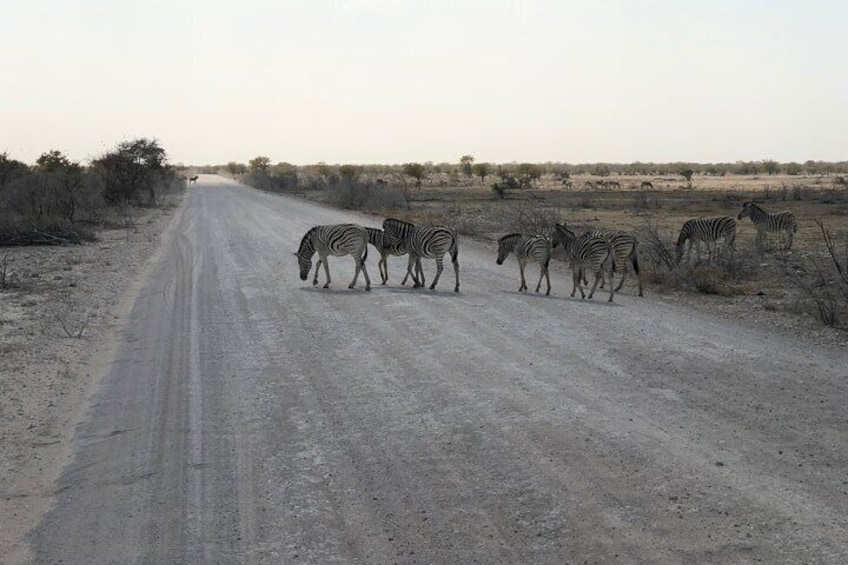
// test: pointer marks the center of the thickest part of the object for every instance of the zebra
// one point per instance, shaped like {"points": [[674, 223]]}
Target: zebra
{"points": [[424, 242], [375, 238], [707, 230], [193, 180], [766, 222], [624, 246], [338, 240], [592, 253], [527, 249]]}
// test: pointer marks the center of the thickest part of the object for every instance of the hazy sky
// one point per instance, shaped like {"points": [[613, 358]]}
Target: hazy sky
{"points": [[392, 81]]}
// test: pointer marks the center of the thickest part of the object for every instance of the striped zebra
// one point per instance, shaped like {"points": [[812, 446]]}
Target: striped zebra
{"points": [[375, 238], [781, 222], [709, 231], [594, 254], [424, 242], [624, 246], [338, 240], [527, 249]]}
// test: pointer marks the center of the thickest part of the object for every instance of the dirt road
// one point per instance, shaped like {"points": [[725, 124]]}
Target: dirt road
{"points": [[250, 418]]}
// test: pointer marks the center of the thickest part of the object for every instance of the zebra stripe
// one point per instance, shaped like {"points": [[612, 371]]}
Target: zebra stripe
{"points": [[765, 222], [338, 240], [376, 238], [527, 249], [624, 247], [424, 242], [707, 230], [591, 253]]}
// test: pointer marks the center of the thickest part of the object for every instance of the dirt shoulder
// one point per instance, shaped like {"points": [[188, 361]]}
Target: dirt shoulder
{"points": [[58, 318]]}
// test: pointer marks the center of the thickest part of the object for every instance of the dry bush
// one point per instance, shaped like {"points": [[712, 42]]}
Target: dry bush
{"points": [[527, 219], [825, 283]]}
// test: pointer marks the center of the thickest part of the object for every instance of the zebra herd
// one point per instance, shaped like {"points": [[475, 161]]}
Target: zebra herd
{"points": [[600, 252]]}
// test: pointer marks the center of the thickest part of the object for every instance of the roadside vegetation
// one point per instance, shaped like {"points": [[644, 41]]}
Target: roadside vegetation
{"points": [[58, 201], [486, 200]]}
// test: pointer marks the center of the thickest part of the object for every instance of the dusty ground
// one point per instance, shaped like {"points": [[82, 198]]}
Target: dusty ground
{"points": [[57, 328], [58, 319]]}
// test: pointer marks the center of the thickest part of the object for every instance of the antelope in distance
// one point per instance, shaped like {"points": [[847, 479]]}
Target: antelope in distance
{"points": [[193, 180]]}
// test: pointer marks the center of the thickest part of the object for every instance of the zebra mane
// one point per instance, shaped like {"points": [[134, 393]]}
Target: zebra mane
{"points": [[398, 223], [306, 244], [504, 238]]}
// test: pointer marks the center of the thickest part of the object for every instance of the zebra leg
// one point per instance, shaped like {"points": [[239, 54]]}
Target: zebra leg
{"points": [[383, 267], [317, 266], [523, 286], [410, 271], [439, 268], [599, 275], [326, 270], [611, 277], [365, 274], [455, 261], [575, 280], [419, 270], [548, 279]]}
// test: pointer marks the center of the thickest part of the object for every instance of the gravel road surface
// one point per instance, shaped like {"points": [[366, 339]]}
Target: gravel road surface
{"points": [[248, 417]]}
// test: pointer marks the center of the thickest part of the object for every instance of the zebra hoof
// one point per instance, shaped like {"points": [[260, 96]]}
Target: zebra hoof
{"points": [[367, 289], [350, 286], [456, 289], [327, 285]]}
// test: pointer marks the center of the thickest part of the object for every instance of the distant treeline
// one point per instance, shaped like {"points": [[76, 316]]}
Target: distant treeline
{"points": [[262, 167]]}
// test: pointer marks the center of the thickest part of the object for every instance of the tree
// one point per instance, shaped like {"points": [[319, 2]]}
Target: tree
{"points": [[133, 167], [350, 172], [416, 171], [10, 169], [482, 170], [529, 173], [54, 161], [793, 169], [770, 166], [260, 165], [687, 174], [466, 165], [235, 168]]}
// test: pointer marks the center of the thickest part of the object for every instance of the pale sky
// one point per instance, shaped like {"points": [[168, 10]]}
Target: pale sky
{"points": [[393, 81]]}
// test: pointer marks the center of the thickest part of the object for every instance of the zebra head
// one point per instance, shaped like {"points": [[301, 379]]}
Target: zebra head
{"points": [[395, 231], [563, 236], [506, 244], [747, 209], [305, 252]]}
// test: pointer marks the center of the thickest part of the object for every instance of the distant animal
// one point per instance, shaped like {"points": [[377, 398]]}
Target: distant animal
{"points": [[193, 180], [527, 249], [431, 242], [709, 231], [646, 184], [592, 254], [782, 222], [338, 240]]}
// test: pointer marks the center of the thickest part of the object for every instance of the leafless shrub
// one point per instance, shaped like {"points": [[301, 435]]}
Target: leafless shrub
{"points": [[523, 218], [68, 326], [827, 282]]}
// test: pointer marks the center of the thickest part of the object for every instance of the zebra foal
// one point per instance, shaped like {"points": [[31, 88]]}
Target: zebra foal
{"points": [[765, 222], [590, 253], [338, 240], [378, 240], [527, 249], [706, 230], [424, 242]]}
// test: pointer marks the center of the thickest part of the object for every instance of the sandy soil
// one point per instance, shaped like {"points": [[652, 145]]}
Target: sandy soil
{"points": [[58, 318]]}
